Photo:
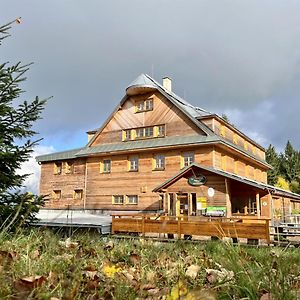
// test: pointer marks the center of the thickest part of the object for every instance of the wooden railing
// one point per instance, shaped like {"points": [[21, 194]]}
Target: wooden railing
{"points": [[250, 228]]}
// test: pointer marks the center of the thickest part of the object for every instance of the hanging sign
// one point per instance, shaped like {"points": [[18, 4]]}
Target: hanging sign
{"points": [[197, 181]]}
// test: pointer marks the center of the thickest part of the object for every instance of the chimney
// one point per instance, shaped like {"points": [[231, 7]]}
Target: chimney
{"points": [[167, 83]]}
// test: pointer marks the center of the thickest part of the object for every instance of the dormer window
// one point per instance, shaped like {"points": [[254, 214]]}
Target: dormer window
{"points": [[145, 105]]}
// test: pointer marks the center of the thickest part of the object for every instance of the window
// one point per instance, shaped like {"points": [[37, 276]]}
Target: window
{"points": [[133, 163], [56, 194], [144, 132], [140, 106], [139, 133], [69, 167], [77, 195], [57, 168], [148, 131], [145, 105], [149, 104], [118, 199], [159, 162], [187, 159], [106, 166], [127, 135], [132, 199], [161, 130]]}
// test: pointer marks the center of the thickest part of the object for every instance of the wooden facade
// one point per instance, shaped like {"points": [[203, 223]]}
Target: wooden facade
{"points": [[150, 137]]}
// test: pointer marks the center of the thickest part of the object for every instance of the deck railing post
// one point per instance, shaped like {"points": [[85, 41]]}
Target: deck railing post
{"points": [[179, 228], [143, 226], [268, 237]]}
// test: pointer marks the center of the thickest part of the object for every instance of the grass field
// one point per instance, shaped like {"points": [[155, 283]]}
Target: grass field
{"points": [[41, 264]]}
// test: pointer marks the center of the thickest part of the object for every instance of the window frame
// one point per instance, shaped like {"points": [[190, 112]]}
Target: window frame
{"points": [[69, 167], [104, 164], [144, 105], [118, 203], [136, 165], [185, 155], [132, 203], [155, 162]]}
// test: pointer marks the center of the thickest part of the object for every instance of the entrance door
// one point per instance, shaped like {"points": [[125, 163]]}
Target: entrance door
{"points": [[183, 202]]}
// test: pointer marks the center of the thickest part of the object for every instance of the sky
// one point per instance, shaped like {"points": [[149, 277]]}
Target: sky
{"points": [[241, 58]]}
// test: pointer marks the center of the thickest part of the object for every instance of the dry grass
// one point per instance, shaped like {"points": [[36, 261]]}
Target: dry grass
{"points": [[40, 264]]}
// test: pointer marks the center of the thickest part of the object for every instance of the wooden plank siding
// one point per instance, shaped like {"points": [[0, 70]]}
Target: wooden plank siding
{"points": [[223, 130], [100, 187], [226, 161], [163, 112], [66, 183]]}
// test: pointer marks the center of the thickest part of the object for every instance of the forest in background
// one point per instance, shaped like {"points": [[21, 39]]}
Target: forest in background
{"points": [[286, 168]]}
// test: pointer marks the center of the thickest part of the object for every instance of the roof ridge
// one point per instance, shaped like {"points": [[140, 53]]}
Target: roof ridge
{"points": [[178, 98]]}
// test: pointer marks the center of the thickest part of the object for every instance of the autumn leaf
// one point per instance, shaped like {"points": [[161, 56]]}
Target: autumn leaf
{"points": [[68, 243], [110, 270], [178, 290], [192, 271], [135, 258], [35, 254], [26, 284], [109, 246]]}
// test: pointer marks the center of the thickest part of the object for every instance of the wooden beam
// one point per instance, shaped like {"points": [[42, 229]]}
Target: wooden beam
{"points": [[228, 200], [258, 204]]}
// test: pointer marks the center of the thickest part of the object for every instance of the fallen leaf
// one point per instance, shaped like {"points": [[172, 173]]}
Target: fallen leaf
{"points": [[8, 256], [68, 243], [154, 292], [192, 271], [267, 296], [109, 246], [26, 284], [198, 294], [147, 286], [151, 276], [178, 290], [110, 270], [35, 254], [134, 258], [213, 275]]}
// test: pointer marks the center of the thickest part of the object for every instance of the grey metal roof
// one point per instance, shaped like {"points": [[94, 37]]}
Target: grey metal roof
{"points": [[147, 144], [186, 106], [256, 184], [69, 154]]}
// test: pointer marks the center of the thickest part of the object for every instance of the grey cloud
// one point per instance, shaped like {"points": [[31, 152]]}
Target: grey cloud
{"points": [[229, 55]]}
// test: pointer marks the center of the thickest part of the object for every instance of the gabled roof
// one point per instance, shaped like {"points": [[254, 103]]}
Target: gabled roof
{"points": [[193, 113], [149, 84], [259, 185]]}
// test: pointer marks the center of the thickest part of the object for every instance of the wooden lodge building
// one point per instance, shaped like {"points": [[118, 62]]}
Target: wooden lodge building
{"points": [[158, 153]]}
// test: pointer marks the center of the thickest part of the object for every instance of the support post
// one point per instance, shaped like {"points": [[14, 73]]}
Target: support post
{"points": [[228, 201], [258, 204]]}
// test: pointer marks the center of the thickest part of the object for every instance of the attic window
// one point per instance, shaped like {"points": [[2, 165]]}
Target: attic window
{"points": [[145, 105]]}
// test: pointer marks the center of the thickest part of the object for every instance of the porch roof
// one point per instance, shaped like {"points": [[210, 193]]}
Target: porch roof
{"points": [[259, 185]]}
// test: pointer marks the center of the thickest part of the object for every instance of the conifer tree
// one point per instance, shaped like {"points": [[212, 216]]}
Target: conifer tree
{"points": [[16, 121], [272, 158]]}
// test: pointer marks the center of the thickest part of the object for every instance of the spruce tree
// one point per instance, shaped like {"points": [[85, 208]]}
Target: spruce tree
{"points": [[272, 158], [290, 163], [16, 121]]}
